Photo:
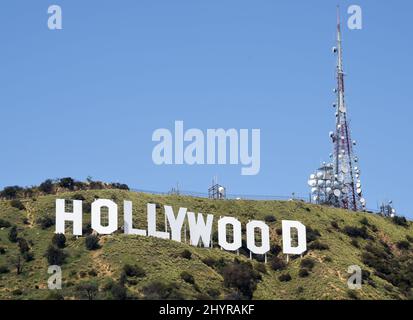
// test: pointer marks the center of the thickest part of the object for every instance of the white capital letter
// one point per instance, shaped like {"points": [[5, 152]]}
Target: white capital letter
{"points": [[175, 223], [128, 221], [151, 214], [265, 237], [198, 229], [96, 216], [222, 233], [62, 216], [302, 237]]}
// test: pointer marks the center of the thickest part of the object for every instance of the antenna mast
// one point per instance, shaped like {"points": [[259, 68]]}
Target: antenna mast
{"points": [[339, 183]]}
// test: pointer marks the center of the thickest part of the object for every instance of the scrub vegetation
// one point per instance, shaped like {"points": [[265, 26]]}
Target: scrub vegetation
{"points": [[119, 266]]}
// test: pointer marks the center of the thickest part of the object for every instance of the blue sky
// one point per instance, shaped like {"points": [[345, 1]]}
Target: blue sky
{"points": [[84, 101]]}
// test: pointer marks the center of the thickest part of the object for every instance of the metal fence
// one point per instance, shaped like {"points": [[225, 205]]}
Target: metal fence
{"points": [[196, 194]]}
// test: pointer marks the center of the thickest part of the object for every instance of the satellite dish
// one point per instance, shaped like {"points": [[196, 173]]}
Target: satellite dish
{"points": [[344, 169], [315, 198], [342, 109], [334, 50], [312, 177], [319, 174], [314, 190], [328, 183], [354, 142], [335, 90], [359, 190], [321, 183], [345, 190], [337, 192], [312, 183], [329, 190], [363, 201], [221, 190], [358, 185]]}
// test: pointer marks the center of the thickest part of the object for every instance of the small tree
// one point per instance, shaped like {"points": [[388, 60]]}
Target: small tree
{"points": [[67, 183], [186, 254], [59, 240], [23, 245], [18, 263], [46, 186], [16, 203], [92, 242], [187, 277], [87, 290], [55, 256], [13, 234], [133, 271]]}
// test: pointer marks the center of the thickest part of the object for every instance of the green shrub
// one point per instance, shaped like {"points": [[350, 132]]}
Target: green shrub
{"points": [[312, 234], [409, 238], [119, 292], [242, 277], [210, 262], [59, 240], [55, 256], [365, 222], [260, 267], [67, 183], [317, 245], [87, 290], [270, 219], [335, 225], [2, 250], [158, 290], [92, 242], [403, 245], [275, 249], [4, 224], [134, 271], [285, 277], [187, 277], [4, 269], [186, 254], [277, 264], [28, 256], [401, 221], [356, 232], [10, 192], [307, 263], [47, 186], [303, 273], [213, 293], [45, 222], [23, 245], [17, 204], [17, 292], [355, 243], [13, 234], [352, 295]]}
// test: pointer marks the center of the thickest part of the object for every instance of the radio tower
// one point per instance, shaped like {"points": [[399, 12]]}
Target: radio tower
{"points": [[338, 183]]}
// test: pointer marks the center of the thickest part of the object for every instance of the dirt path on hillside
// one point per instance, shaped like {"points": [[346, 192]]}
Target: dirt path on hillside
{"points": [[30, 215], [101, 266]]}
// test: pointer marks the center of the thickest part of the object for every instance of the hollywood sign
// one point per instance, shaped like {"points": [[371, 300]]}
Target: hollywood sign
{"points": [[200, 226]]}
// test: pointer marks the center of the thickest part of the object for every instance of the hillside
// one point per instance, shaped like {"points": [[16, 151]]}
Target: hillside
{"points": [[154, 268]]}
